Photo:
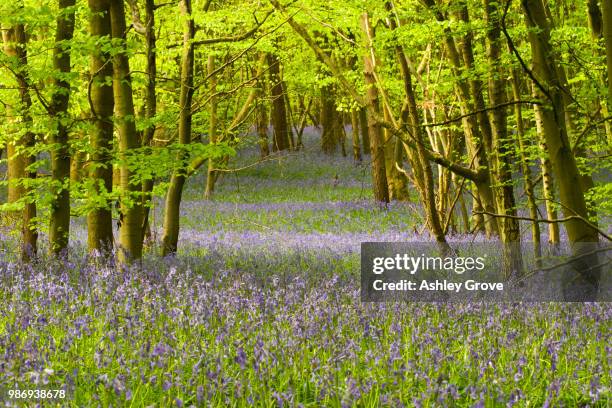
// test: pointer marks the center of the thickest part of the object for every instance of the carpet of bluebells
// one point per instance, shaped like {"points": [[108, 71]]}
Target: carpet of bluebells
{"points": [[261, 307]]}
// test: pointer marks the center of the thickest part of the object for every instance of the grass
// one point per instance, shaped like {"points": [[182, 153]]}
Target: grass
{"points": [[261, 308]]}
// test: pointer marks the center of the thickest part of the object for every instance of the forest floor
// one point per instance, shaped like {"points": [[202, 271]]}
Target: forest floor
{"points": [[262, 308]]}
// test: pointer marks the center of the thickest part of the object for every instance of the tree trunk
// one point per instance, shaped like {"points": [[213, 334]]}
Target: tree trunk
{"points": [[279, 111], [421, 167], [484, 199], [548, 188], [212, 128], [130, 230], [20, 151], [262, 129], [395, 180], [379, 176], [77, 162], [341, 133], [559, 148], [329, 140], [500, 149], [150, 110], [595, 18], [355, 136], [59, 227], [365, 131], [99, 219], [290, 119], [529, 187], [175, 191]]}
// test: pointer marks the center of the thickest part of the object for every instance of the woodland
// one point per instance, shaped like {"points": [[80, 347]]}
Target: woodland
{"points": [[186, 185]]}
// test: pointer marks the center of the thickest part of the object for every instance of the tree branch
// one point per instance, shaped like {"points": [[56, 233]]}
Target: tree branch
{"points": [[490, 108], [234, 38], [558, 220]]}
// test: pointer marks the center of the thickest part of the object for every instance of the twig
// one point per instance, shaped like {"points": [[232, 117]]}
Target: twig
{"points": [[490, 108], [558, 220]]}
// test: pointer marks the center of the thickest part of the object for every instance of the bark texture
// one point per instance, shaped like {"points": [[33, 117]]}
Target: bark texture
{"points": [[130, 229], [59, 226], [175, 191]]}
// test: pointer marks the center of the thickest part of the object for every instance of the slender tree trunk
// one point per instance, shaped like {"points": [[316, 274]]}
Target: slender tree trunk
{"points": [[99, 219], [237, 121], [175, 191], [19, 151], [475, 84], [548, 188], [403, 181], [212, 128], [500, 149], [484, 199], [303, 116], [421, 167], [396, 181], [529, 187], [473, 98], [379, 176], [341, 133], [365, 131], [389, 152], [130, 230], [290, 119], [262, 129], [59, 227], [150, 109], [355, 136]]}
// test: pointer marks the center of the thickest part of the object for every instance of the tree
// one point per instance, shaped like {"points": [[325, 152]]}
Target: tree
{"points": [[99, 220], [280, 140], [59, 227], [130, 231], [21, 158], [548, 83], [379, 175], [175, 192]]}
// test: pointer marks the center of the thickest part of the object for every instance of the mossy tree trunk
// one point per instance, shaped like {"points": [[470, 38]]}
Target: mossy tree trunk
{"points": [[558, 146], [175, 191], [130, 229], [150, 109], [329, 123], [99, 219], [423, 173], [379, 174], [59, 226], [484, 198], [278, 115], [500, 146], [20, 153]]}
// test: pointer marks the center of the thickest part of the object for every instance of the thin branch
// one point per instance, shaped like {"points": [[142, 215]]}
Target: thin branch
{"points": [[490, 108], [558, 220], [516, 53], [241, 53], [234, 38]]}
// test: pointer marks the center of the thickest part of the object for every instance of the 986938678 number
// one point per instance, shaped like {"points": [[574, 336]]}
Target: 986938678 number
{"points": [[36, 394]]}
